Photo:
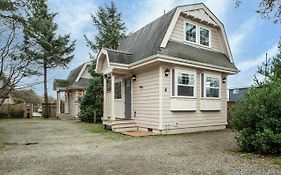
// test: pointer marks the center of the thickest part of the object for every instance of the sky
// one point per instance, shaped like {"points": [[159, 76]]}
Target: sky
{"points": [[250, 36]]}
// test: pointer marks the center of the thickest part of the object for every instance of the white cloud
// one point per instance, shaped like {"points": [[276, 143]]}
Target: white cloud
{"points": [[246, 65], [237, 39], [74, 16]]}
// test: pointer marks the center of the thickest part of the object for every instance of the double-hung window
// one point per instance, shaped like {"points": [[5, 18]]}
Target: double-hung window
{"points": [[204, 37], [197, 34], [185, 84], [190, 32], [212, 86], [117, 90]]}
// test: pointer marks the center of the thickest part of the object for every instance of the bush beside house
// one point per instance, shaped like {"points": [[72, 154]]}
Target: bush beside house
{"points": [[257, 119]]}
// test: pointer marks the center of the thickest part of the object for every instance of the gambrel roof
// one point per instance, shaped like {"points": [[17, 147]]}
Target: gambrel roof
{"points": [[74, 80], [153, 39]]}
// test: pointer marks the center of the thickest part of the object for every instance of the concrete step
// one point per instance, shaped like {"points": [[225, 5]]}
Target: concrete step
{"points": [[123, 125], [125, 129], [117, 122]]}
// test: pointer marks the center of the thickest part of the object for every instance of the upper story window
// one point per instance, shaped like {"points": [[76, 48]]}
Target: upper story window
{"points": [[190, 32], [212, 86], [197, 34], [117, 90], [204, 37], [185, 85]]}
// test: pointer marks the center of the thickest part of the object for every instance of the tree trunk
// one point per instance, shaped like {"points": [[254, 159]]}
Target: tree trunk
{"points": [[46, 108]]}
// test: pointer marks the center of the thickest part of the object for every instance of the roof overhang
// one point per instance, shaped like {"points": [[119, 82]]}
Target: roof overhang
{"points": [[172, 60]]}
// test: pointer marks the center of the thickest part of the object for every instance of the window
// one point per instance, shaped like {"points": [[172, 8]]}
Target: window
{"points": [[204, 36], [117, 90], [197, 34], [190, 32], [212, 86], [108, 85], [185, 84]]}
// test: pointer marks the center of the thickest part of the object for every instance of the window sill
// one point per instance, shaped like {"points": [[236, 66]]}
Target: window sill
{"points": [[183, 110], [183, 97], [210, 98], [197, 45]]}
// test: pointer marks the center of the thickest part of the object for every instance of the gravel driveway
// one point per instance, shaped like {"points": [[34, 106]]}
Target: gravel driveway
{"points": [[66, 147]]}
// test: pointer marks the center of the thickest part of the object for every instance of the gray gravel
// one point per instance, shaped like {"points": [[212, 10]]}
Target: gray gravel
{"points": [[65, 147]]}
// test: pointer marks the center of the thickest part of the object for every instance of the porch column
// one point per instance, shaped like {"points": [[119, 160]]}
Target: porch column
{"points": [[58, 102], [104, 98], [66, 102], [112, 116]]}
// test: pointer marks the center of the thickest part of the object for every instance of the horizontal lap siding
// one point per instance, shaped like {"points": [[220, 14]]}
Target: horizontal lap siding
{"points": [[146, 98], [216, 37], [190, 119]]}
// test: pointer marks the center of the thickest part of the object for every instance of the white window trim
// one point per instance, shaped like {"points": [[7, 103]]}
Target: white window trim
{"points": [[120, 89], [197, 34], [210, 36], [176, 83], [205, 79]]}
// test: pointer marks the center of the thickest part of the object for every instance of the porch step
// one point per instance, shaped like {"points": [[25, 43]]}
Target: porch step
{"points": [[125, 129], [121, 125]]}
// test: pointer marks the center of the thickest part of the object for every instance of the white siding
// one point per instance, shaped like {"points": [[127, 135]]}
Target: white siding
{"points": [[217, 42], [191, 119], [146, 98], [86, 74]]}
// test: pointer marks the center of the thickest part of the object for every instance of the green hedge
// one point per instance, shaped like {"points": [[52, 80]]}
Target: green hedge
{"points": [[12, 114], [257, 120]]}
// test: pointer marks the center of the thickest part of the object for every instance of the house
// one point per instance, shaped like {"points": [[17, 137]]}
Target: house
{"points": [[236, 94], [72, 88], [169, 76]]}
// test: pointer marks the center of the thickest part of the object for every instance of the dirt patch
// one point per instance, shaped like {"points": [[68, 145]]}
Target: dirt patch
{"points": [[70, 147]]}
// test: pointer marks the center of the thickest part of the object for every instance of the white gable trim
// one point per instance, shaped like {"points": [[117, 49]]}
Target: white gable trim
{"points": [[82, 71], [194, 7], [98, 66]]}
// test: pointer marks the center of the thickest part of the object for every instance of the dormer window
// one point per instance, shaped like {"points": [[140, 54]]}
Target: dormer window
{"points": [[204, 36], [197, 34], [190, 32]]}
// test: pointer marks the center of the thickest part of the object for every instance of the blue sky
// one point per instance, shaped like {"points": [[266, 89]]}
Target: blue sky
{"points": [[250, 36]]}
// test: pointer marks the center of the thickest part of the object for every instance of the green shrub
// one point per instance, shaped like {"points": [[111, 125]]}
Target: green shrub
{"points": [[12, 114], [92, 102], [257, 120]]}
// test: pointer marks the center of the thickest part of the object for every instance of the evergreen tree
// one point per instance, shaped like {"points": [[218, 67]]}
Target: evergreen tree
{"points": [[42, 43], [111, 28]]}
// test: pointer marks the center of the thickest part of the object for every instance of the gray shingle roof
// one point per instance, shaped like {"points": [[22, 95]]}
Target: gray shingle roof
{"points": [[146, 42], [70, 83], [191, 53]]}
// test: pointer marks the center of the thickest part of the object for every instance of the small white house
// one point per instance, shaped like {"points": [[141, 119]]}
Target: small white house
{"points": [[72, 88], [169, 76]]}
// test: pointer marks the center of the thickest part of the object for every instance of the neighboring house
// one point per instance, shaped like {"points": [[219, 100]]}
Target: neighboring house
{"points": [[236, 94], [73, 87], [169, 76], [9, 100]]}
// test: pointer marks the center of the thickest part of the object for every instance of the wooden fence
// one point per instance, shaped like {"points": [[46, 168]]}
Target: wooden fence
{"points": [[52, 109], [27, 108]]}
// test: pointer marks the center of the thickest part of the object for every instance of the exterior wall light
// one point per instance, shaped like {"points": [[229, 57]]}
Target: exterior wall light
{"points": [[167, 71], [224, 80], [134, 77]]}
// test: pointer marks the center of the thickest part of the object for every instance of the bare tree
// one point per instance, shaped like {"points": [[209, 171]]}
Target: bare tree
{"points": [[13, 65]]}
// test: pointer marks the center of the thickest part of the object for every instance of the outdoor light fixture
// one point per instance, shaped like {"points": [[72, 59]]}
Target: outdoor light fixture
{"points": [[167, 71], [224, 80], [108, 76], [134, 77]]}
